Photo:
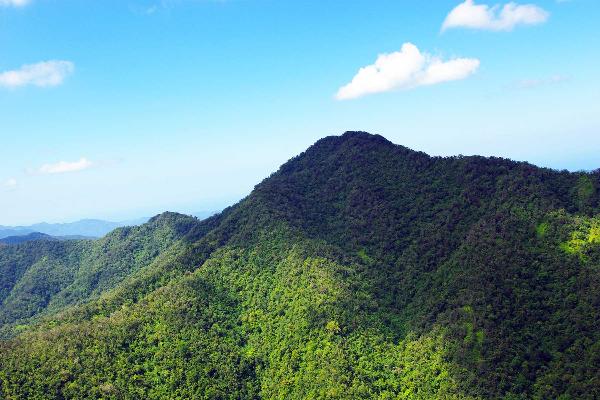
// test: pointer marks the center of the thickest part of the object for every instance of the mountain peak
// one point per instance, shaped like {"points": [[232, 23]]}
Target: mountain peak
{"points": [[361, 135], [355, 138], [358, 255]]}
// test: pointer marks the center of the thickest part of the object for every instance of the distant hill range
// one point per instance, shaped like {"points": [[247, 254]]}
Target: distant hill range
{"points": [[82, 229], [39, 236]]}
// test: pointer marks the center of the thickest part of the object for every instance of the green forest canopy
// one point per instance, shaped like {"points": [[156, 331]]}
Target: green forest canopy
{"points": [[361, 269]]}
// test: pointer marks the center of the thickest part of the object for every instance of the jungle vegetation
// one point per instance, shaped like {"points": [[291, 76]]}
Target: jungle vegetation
{"points": [[359, 270]]}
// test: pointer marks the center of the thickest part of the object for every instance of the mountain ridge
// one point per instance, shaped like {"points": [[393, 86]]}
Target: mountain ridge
{"points": [[359, 269], [84, 227]]}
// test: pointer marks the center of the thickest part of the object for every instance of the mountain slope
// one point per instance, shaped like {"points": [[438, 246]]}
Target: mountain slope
{"points": [[7, 231], [46, 276], [361, 269], [39, 236], [26, 238]]}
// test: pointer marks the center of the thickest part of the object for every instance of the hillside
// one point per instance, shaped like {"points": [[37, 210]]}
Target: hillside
{"points": [[26, 238], [360, 269], [48, 275], [8, 231], [10, 240]]}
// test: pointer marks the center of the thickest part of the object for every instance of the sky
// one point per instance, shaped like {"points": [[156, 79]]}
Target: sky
{"points": [[119, 109]]}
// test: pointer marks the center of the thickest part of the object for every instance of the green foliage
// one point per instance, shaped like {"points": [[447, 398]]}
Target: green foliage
{"points": [[360, 270], [44, 277], [542, 229], [585, 191], [584, 237]]}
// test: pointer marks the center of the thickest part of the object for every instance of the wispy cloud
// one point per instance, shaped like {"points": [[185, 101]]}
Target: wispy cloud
{"points": [[13, 3], [10, 183], [47, 73], [494, 18], [534, 83], [155, 7], [151, 10], [405, 69], [62, 167]]}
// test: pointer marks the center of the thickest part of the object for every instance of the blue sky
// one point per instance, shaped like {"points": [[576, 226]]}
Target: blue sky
{"points": [[121, 109]]}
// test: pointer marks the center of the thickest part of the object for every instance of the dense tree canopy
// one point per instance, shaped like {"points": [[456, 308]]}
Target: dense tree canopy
{"points": [[361, 269]]}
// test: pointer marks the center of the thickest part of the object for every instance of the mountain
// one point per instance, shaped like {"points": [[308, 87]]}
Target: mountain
{"points": [[84, 227], [40, 277], [39, 236], [360, 269], [26, 238], [6, 231]]}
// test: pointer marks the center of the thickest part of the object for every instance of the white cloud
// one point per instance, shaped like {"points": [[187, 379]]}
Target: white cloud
{"points": [[13, 3], [151, 10], [47, 73], [11, 183], [494, 18], [65, 166], [534, 83], [405, 69]]}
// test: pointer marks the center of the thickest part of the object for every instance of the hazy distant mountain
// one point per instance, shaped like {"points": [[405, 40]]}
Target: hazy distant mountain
{"points": [[83, 228], [6, 231], [40, 236], [26, 238]]}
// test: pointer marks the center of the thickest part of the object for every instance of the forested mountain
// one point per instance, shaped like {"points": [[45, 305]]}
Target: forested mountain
{"points": [[47, 275], [8, 231], [26, 238], [39, 236], [361, 269], [82, 229]]}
